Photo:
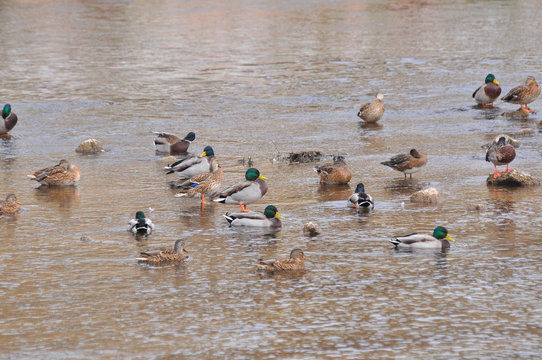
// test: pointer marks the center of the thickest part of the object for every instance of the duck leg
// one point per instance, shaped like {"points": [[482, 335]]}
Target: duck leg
{"points": [[496, 174], [508, 169], [526, 108]]}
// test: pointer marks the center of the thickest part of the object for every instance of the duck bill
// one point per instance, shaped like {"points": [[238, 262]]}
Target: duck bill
{"points": [[186, 251], [495, 82], [306, 258], [18, 202], [262, 177], [278, 215], [203, 154], [449, 238]]}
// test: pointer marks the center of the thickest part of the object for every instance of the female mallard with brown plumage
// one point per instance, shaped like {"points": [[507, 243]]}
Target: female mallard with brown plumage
{"points": [[10, 206], [246, 192], [500, 153], [293, 263], [204, 184], [487, 93], [524, 94], [171, 144], [161, 257], [336, 173], [9, 119], [407, 163], [62, 174], [373, 111]]}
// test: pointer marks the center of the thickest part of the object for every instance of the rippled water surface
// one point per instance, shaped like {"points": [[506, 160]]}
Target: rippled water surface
{"points": [[258, 79]]}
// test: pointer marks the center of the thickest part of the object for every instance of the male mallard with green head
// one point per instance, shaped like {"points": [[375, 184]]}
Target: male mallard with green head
{"points": [[9, 119], [62, 174], [439, 240], [171, 144], [292, 263], [373, 111], [246, 192], [524, 94], [193, 165], [270, 218], [500, 153], [360, 200], [10, 206], [407, 163], [140, 225], [161, 257], [487, 93]]}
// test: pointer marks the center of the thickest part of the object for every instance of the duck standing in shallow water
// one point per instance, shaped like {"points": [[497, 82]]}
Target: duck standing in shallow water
{"points": [[439, 240], [9, 120], [204, 184], [10, 206], [524, 94], [246, 192], [334, 174], [171, 144], [292, 263], [270, 218], [360, 200], [373, 111], [500, 153], [140, 225], [487, 93], [192, 166], [62, 174], [161, 257], [407, 163]]}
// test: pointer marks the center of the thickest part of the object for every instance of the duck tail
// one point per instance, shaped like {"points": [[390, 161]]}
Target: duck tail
{"points": [[221, 200], [395, 241], [229, 217]]}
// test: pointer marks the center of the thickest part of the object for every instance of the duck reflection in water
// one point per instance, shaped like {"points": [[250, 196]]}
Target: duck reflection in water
{"points": [[63, 196]]}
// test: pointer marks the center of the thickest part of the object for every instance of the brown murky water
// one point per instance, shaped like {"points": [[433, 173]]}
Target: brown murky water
{"points": [[252, 79]]}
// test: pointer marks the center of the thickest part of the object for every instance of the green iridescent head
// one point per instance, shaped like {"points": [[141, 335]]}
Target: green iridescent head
{"points": [[360, 188], [271, 212], [190, 136], [441, 233], [490, 78], [140, 215], [253, 174], [207, 151], [6, 111]]}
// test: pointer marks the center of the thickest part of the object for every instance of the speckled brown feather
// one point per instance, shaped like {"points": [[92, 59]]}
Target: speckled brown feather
{"points": [[372, 112], [61, 174], [523, 94], [159, 257], [293, 263], [208, 183], [10, 206], [407, 162]]}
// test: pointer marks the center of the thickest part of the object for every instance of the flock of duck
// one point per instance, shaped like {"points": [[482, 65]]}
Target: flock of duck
{"points": [[203, 176]]}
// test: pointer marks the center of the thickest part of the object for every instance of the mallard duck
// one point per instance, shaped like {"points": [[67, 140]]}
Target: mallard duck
{"points": [[10, 206], [336, 173], [487, 93], [293, 263], [407, 163], [243, 193], [171, 144], [9, 120], [192, 166], [524, 94], [62, 174], [204, 184], [160, 257], [360, 200], [373, 111], [500, 153], [439, 240], [270, 218], [140, 225]]}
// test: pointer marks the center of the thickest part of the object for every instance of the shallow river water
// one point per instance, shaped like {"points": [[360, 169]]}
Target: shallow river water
{"points": [[259, 79]]}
